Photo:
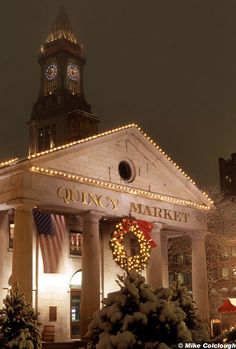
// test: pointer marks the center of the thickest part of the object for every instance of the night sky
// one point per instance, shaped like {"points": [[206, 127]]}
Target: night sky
{"points": [[169, 66]]}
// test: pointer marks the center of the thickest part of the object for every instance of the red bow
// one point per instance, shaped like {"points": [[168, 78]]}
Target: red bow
{"points": [[144, 226]]}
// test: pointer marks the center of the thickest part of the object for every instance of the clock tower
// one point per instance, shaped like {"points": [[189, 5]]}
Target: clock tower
{"points": [[61, 113]]}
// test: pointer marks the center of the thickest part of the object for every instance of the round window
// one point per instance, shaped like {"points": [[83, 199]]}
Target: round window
{"points": [[126, 171]]}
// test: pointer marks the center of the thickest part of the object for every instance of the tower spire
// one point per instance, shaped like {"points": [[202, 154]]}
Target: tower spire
{"points": [[61, 28], [61, 113]]}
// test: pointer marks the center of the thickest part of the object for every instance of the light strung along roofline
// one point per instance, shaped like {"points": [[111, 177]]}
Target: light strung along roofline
{"points": [[84, 140], [115, 130], [103, 134], [8, 162], [118, 187]]}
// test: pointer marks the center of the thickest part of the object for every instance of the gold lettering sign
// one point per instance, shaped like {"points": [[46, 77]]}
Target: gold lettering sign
{"points": [[70, 196], [75, 196], [158, 212]]}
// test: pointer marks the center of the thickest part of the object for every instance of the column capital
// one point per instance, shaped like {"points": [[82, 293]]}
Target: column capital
{"points": [[23, 204], [199, 234], [92, 215], [157, 226]]}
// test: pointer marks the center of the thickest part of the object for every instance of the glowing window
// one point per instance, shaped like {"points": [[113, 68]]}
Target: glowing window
{"points": [[49, 87], [73, 87], [180, 278], [46, 137], [11, 235], [225, 253], [225, 272], [233, 251], [76, 243], [180, 258]]}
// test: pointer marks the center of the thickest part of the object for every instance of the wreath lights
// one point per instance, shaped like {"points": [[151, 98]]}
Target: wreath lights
{"points": [[141, 231]]}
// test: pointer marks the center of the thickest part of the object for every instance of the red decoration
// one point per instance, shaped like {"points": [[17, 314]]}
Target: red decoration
{"points": [[144, 226], [141, 230], [227, 306]]}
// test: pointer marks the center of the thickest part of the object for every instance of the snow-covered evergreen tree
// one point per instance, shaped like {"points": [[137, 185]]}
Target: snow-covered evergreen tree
{"points": [[18, 323], [183, 299], [139, 318]]}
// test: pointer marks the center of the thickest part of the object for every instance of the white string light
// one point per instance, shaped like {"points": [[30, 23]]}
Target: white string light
{"points": [[68, 145], [118, 187], [118, 129], [8, 162]]}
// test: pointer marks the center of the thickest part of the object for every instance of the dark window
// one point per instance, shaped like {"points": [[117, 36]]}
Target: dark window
{"points": [[52, 313], [47, 137], [188, 279], [125, 171], [134, 246]]}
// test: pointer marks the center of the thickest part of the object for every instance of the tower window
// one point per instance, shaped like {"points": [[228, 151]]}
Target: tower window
{"points": [[50, 87], [228, 179], [46, 137], [73, 87], [74, 124]]}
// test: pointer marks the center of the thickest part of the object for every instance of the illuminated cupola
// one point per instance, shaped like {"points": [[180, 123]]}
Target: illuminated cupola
{"points": [[61, 113]]}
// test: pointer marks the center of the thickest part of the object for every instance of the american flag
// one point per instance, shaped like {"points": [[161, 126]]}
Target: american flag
{"points": [[52, 238]]}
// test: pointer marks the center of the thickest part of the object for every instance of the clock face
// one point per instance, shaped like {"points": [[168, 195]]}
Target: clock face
{"points": [[73, 72], [51, 71]]}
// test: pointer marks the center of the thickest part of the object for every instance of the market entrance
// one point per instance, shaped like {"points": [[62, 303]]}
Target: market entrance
{"points": [[75, 300]]}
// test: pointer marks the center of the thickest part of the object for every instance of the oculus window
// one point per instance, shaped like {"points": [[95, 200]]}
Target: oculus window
{"points": [[126, 171]]}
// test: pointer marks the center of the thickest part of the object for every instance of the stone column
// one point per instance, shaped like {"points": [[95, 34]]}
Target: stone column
{"points": [[4, 267], [165, 266], [90, 291], [199, 273], [154, 268], [22, 263]]}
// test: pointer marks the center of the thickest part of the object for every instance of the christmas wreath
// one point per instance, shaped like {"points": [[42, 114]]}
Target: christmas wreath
{"points": [[141, 232]]}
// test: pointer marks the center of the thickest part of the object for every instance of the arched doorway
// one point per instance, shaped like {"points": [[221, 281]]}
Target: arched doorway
{"points": [[75, 300]]}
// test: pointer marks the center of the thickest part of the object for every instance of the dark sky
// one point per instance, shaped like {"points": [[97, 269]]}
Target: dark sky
{"points": [[169, 66]]}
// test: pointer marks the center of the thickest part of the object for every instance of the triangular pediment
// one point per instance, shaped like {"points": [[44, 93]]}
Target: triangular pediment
{"points": [[98, 158]]}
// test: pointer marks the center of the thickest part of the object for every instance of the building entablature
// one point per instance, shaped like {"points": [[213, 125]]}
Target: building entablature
{"points": [[57, 194]]}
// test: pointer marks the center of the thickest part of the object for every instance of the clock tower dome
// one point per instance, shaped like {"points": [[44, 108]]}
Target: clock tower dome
{"points": [[61, 113]]}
